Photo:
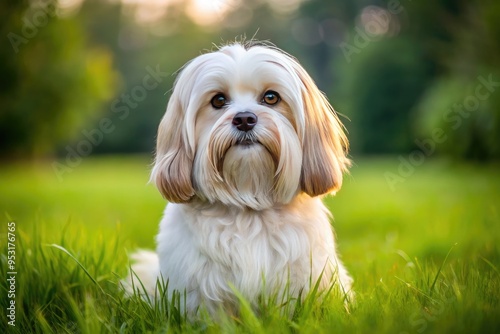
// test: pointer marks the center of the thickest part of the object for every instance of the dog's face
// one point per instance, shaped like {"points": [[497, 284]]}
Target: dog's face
{"points": [[247, 126]]}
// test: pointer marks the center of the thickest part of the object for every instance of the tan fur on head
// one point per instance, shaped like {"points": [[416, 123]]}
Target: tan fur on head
{"points": [[325, 144], [174, 158], [302, 136]]}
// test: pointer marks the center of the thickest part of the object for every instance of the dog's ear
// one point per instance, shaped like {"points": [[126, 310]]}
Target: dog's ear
{"points": [[174, 158], [324, 144]]}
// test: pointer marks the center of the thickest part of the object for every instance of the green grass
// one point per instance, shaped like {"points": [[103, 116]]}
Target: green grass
{"points": [[425, 257]]}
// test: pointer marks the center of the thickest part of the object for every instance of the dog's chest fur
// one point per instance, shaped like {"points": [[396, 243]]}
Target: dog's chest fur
{"points": [[206, 249]]}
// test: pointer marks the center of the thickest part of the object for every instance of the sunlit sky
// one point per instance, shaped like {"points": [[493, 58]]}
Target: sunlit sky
{"points": [[375, 21], [203, 12]]}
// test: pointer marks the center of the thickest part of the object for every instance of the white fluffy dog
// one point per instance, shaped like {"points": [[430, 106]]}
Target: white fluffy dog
{"points": [[245, 150]]}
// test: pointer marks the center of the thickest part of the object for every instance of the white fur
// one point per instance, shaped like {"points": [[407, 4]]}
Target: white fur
{"points": [[246, 217]]}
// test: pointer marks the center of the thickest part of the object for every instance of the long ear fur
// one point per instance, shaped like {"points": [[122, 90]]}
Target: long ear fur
{"points": [[173, 163], [324, 145]]}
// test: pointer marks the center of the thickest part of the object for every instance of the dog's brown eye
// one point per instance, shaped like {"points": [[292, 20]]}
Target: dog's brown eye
{"points": [[218, 101], [271, 97]]}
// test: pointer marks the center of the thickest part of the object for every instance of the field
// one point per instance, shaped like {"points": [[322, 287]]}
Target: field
{"points": [[424, 253]]}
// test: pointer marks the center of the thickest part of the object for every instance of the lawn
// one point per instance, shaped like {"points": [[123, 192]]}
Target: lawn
{"points": [[424, 253]]}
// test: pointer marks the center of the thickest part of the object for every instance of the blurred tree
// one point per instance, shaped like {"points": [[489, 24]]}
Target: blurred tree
{"points": [[51, 80], [402, 90], [464, 102], [378, 90], [395, 86], [459, 117]]}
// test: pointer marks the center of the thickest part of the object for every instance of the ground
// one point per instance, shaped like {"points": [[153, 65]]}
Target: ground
{"points": [[422, 244]]}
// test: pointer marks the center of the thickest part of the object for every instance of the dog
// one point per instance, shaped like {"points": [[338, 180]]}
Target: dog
{"points": [[247, 148]]}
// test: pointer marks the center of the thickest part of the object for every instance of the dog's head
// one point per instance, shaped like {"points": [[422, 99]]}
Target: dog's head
{"points": [[247, 126]]}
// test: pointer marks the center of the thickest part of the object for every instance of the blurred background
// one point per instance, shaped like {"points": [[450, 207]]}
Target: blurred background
{"points": [[88, 77]]}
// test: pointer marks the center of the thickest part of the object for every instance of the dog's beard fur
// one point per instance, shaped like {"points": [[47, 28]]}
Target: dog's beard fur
{"points": [[256, 169], [244, 204]]}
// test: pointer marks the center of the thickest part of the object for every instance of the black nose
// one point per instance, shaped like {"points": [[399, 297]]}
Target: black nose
{"points": [[245, 121]]}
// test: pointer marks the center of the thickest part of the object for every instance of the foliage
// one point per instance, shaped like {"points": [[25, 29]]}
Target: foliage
{"points": [[466, 112], [52, 80], [425, 257], [465, 101], [379, 89]]}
